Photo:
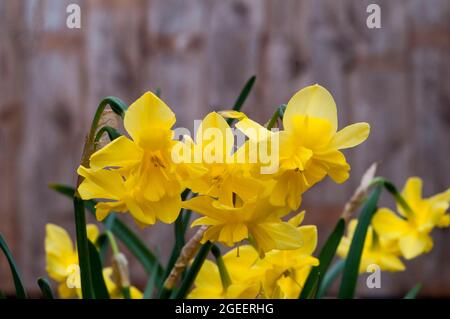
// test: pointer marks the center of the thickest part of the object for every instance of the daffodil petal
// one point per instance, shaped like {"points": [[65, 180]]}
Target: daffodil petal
{"points": [[92, 232], [387, 224], [412, 192], [297, 219], [308, 234], [285, 236], [413, 245], [351, 136], [146, 115], [314, 101], [100, 183], [122, 152]]}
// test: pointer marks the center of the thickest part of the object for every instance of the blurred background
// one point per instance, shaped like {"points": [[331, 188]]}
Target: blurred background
{"points": [[200, 53]]}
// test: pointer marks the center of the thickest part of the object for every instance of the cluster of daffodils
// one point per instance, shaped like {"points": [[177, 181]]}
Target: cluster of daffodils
{"points": [[145, 174], [405, 234], [246, 182]]}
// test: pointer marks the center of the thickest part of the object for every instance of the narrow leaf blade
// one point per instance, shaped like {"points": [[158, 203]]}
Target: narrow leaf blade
{"points": [[329, 278], [412, 294], [45, 287], [325, 257], [18, 283], [98, 282], [351, 268], [243, 96]]}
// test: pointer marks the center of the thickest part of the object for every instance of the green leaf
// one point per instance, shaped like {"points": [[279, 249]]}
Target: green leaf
{"points": [[325, 257], [412, 294], [18, 283], [111, 131], [66, 190], [83, 249], [243, 96], [102, 243], [352, 262], [121, 231], [151, 284], [45, 287], [330, 276], [98, 281], [278, 114], [193, 271]]}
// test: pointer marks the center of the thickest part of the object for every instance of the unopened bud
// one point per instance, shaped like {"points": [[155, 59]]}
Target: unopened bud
{"points": [[121, 275]]}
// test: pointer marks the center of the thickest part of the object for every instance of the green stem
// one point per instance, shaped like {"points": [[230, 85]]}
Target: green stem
{"points": [[193, 271], [83, 248], [112, 242], [224, 275], [390, 187], [186, 218], [118, 107], [279, 112], [112, 133], [126, 293]]}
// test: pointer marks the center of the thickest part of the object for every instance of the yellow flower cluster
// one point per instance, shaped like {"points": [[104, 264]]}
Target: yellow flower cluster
{"points": [[405, 234], [280, 274], [62, 264], [145, 174], [238, 197]]}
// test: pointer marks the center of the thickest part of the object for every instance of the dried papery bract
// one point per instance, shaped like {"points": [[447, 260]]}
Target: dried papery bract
{"points": [[360, 193], [187, 253]]}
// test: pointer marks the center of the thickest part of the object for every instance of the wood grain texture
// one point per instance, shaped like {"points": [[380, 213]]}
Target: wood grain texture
{"points": [[200, 53]]}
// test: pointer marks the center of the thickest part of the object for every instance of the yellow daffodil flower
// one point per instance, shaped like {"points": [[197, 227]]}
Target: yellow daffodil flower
{"points": [[309, 145], [62, 259], [279, 274], [225, 176], [62, 264], [255, 218], [244, 279], [411, 230], [137, 174], [285, 271], [378, 252]]}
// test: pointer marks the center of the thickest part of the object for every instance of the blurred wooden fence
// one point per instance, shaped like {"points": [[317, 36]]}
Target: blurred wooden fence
{"points": [[200, 53]]}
